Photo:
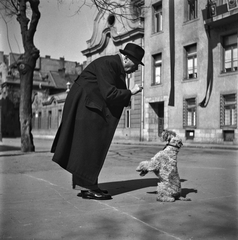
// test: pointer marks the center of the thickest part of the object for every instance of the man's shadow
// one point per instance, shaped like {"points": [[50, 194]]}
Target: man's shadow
{"points": [[120, 187], [116, 188]]}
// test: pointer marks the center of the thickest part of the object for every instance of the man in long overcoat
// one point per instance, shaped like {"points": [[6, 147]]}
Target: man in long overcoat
{"points": [[91, 114]]}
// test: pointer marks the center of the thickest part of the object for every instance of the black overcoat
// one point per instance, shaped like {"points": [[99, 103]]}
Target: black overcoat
{"points": [[91, 114]]}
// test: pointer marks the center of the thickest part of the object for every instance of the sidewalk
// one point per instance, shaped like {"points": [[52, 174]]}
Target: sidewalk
{"points": [[133, 142], [38, 203]]}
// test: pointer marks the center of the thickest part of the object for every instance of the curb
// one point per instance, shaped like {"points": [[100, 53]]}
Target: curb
{"points": [[187, 145]]}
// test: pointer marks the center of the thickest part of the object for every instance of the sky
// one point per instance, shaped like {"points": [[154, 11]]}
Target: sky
{"points": [[61, 32]]}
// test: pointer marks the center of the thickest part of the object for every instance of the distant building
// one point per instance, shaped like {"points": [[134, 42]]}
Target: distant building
{"points": [[52, 78]]}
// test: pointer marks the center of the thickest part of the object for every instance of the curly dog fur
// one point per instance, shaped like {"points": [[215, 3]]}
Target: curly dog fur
{"points": [[164, 165]]}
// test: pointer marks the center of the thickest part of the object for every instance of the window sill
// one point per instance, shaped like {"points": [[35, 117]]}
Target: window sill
{"points": [[189, 127], [155, 84], [186, 80], [222, 74], [232, 127], [190, 21], [156, 33]]}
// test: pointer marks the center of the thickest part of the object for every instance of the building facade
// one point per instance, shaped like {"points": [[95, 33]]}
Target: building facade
{"points": [[205, 59]]}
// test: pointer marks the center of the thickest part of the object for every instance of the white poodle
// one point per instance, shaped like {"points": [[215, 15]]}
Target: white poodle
{"points": [[164, 165]]}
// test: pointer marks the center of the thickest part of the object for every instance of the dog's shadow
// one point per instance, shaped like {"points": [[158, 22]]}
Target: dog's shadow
{"points": [[186, 191], [120, 187], [116, 188]]}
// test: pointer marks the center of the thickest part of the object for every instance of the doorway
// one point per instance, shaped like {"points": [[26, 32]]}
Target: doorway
{"points": [[158, 108]]}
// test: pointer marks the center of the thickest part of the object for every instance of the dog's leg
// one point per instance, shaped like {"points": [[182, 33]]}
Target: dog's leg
{"points": [[164, 194], [142, 168], [163, 198]]}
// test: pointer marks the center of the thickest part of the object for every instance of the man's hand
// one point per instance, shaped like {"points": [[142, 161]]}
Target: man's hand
{"points": [[136, 89]]}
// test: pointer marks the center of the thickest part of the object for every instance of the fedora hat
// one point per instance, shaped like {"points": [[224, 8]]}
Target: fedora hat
{"points": [[134, 52]]}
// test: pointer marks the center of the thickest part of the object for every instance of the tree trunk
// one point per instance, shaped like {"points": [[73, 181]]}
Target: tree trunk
{"points": [[26, 66], [26, 79]]}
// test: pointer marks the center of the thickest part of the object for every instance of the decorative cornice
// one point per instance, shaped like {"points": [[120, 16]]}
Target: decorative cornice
{"points": [[116, 38]]}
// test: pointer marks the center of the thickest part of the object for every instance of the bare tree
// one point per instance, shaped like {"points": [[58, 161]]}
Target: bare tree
{"points": [[27, 14], [26, 63]]}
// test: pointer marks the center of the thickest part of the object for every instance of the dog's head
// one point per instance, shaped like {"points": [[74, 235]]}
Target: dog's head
{"points": [[167, 135], [172, 138], [176, 142]]}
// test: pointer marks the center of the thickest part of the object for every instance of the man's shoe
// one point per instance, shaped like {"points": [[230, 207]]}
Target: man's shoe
{"points": [[94, 194], [98, 190]]}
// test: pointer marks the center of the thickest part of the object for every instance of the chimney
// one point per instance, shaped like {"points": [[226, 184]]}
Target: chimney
{"points": [[61, 63]]}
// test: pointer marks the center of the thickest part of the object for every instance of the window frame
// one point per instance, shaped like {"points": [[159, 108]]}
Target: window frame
{"points": [[188, 12], [194, 56], [49, 119], [186, 108], [229, 105], [156, 65], [224, 48], [157, 17], [127, 118]]}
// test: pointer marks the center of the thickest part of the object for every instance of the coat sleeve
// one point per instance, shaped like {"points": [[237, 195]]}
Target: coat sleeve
{"points": [[112, 87]]}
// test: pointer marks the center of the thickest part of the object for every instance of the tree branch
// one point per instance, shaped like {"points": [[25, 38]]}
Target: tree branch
{"points": [[34, 19], [23, 21]]}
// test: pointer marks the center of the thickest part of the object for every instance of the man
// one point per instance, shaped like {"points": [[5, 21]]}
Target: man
{"points": [[91, 114]]}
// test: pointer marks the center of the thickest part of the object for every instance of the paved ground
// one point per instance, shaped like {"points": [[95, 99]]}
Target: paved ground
{"points": [[37, 201]]}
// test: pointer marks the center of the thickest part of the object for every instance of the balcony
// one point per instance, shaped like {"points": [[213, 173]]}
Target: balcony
{"points": [[216, 15]]}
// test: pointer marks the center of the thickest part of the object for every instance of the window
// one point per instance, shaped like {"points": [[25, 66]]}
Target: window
{"points": [[128, 118], [191, 61], [129, 82], [111, 19], [189, 134], [228, 111], [189, 112], [59, 116], [230, 53], [39, 120], [191, 9], [49, 119], [157, 17], [157, 68]]}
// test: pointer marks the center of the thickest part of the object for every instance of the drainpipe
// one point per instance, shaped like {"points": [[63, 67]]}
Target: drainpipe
{"points": [[142, 98]]}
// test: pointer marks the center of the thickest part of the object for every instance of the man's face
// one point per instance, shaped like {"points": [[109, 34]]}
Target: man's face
{"points": [[130, 66]]}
